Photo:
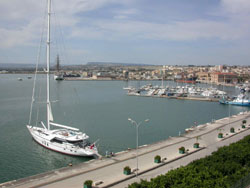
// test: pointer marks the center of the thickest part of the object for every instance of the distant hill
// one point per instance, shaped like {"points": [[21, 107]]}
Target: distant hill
{"points": [[114, 64], [19, 67], [15, 65], [89, 65]]}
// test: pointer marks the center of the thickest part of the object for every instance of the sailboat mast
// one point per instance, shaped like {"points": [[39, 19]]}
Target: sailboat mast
{"points": [[48, 64], [57, 63]]}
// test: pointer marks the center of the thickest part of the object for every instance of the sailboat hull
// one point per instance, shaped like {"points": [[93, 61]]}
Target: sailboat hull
{"points": [[39, 135]]}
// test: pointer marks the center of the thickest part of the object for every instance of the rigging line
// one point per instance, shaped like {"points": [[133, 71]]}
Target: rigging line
{"points": [[54, 32], [37, 62], [39, 105], [57, 21], [58, 39]]}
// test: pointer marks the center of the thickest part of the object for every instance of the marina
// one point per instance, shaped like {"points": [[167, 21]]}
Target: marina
{"points": [[99, 108], [187, 92], [190, 92]]}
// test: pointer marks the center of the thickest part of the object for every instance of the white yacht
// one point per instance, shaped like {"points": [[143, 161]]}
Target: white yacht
{"points": [[60, 138], [67, 140]]}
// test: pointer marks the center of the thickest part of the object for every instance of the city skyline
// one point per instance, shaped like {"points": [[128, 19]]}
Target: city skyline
{"points": [[160, 33]]}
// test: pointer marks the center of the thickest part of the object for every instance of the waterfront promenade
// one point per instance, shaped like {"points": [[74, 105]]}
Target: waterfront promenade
{"points": [[109, 171]]}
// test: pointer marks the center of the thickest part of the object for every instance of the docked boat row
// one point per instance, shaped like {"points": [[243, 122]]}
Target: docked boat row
{"points": [[189, 92], [243, 87], [178, 91]]}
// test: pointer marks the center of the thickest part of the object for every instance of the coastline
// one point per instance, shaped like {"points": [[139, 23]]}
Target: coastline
{"points": [[113, 79]]}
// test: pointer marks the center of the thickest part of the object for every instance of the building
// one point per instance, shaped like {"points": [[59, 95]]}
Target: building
{"points": [[203, 76], [221, 77]]}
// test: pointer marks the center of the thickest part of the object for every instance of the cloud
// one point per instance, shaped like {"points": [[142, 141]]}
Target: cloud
{"points": [[24, 21], [125, 13], [20, 36], [20, 20], [120, 17], [130, 11], [177, 31], [232, 27], [89, 32], [16, 10], [236, 6]]}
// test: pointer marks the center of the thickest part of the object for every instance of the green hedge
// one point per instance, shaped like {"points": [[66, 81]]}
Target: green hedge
{"points": [[221, 169]]}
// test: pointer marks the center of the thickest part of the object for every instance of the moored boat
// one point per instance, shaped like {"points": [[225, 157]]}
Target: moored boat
{"points": [[58, 76], [240, 100], [60, 138]]}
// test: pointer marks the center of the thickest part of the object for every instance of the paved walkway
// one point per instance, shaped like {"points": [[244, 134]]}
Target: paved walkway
{"points": [[110, 170]]}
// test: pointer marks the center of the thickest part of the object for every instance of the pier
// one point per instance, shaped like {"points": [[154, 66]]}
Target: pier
{"points": [[108, 171], [180, 98]]}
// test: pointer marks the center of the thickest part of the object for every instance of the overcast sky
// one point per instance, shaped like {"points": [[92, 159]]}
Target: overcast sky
{"points": [[166, 32]]}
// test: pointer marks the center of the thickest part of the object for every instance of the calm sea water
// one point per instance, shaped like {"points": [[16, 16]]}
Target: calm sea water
{"points": [[99, 108]]}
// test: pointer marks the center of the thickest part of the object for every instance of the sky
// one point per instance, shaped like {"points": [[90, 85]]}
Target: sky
{"points": [[159, 32]]}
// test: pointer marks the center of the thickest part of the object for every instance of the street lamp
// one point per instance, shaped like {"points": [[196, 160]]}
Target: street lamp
{"points": [[137, 126]]}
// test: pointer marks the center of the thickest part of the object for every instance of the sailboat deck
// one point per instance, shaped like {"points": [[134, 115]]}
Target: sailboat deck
{"points": [[69, 135]]}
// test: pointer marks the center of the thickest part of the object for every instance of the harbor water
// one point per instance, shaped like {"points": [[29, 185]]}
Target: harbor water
{"points": [[100, 109]]}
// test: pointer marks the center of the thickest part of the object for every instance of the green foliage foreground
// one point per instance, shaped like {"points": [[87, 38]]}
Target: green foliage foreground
{"points": [[221, 169]]}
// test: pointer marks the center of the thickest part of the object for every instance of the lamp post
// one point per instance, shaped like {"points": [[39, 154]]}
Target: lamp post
{"points": [[137, 127]]}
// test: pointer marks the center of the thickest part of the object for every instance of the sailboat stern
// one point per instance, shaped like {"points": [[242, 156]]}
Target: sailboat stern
{"points": [[90, 151]]}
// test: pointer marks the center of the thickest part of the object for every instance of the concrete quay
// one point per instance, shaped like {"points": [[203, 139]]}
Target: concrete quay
{"points": [[180, 98], [109, 171]]}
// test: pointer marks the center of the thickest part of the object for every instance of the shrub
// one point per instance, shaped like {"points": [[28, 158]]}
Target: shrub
{"points": [[127, 170], [220, 135], [88, 182], [232, 130], [182, 148], [157, 159], [196, 145]]}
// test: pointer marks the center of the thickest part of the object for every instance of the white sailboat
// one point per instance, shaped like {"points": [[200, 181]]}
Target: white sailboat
{"points": [[61, 138]]}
